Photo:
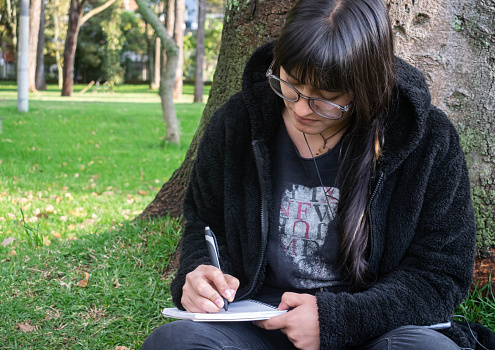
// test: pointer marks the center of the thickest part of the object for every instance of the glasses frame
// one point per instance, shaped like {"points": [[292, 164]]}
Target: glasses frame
{"points": [[270, 75]]}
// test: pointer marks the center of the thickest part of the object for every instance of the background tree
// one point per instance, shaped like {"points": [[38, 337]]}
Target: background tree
{"points": [[9, 19], [77, 17], [168, 72], [34, 28], [200, 52], [56, 10], [40, 82], [179, 27]]}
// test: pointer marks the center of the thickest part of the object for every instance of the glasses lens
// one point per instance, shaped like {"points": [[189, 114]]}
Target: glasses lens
{"points": [[283, 90], [326, 109]]}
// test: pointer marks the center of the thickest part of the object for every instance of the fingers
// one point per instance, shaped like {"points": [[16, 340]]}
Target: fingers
{"points": [[291, 300], [276, 322], [200, 292]]}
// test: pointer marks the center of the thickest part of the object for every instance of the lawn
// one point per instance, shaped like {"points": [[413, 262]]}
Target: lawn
{"points": [[73, 173], [75, 271]]}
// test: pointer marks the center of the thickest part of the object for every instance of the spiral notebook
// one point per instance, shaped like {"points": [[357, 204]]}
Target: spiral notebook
{"points": [[243, 310]]}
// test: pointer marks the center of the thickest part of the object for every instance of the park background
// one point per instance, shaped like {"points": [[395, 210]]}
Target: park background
{"points": [[91, 183]]}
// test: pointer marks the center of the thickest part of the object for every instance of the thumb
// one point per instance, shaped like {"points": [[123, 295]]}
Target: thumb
{"points": [[290, 300]]}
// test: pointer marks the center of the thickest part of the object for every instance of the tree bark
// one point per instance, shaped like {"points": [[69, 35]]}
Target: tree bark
{"points": [[34, 29], [40, 57], [179, 27], [56, 36], [12, 23], [168, 74], [200, 52], [155, 78], [453, 43], [76, 19]]}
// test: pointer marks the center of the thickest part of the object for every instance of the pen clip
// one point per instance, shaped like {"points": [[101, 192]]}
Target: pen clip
{"points": [[209, 232]]}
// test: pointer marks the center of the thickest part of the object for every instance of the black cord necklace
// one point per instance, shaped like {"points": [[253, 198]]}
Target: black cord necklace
{"points": [[327, 194], [325, 140]]}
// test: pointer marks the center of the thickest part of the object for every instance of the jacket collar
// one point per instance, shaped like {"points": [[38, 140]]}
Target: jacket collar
{"points": [[406, 124]]}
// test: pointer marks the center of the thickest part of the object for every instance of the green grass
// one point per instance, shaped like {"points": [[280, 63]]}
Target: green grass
{"points": [[43, 307], [74, 167], [479, 306], [73, 173]]}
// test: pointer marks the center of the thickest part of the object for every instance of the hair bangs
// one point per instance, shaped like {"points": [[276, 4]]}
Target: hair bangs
{"points": [[314, 56]]}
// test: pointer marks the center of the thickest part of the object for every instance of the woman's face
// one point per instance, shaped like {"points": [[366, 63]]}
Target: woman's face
{"points": [[303, 117]]}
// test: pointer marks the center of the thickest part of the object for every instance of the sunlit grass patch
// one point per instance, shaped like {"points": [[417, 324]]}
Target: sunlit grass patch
{"points": [[76, 167]]}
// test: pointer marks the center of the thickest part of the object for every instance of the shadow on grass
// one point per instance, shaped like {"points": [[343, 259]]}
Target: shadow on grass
{"points": [[46, 305]]}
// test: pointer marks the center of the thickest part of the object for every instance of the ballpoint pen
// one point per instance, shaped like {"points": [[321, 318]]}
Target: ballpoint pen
{"points": [[211, 242]]}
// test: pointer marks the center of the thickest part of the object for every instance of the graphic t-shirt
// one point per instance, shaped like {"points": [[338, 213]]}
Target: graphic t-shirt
{"points": [[303, 249]]}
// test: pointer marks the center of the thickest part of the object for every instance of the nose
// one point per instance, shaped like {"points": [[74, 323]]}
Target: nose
{"points": [[301, 107]]}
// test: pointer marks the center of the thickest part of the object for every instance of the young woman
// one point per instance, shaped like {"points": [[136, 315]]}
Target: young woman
{"points": [[336, 190]]}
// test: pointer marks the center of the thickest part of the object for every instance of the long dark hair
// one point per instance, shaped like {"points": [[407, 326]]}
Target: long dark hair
{"points": [[347, 45]]}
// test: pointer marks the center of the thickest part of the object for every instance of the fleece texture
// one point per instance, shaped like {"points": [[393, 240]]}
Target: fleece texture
{"points": [[422, 229]]}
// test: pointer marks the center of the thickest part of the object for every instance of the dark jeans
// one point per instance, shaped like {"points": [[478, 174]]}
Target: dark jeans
{"points": [[192, 335]]}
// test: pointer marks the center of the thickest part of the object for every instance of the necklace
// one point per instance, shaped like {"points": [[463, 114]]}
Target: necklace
{"points": [[325, 140]]}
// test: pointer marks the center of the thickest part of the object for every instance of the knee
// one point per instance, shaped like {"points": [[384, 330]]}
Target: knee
{"points": [[414, 337], [168, 336]]}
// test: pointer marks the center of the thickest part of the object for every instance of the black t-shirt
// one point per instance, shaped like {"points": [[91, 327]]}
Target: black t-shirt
{"points": [[303, 249]]}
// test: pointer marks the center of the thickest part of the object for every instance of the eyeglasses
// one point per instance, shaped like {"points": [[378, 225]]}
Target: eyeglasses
{"points": [[323, 108]]}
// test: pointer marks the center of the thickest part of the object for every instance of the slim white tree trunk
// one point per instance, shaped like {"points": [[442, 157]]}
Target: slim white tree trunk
{"points": [[23, 58], [168, 74]]}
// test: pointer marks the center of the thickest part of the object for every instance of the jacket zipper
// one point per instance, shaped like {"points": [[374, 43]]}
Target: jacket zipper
{"points": [[264, 223], [379, 182]]}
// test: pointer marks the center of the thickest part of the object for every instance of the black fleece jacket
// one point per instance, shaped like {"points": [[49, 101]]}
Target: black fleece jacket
{"points": [[422, 230]]}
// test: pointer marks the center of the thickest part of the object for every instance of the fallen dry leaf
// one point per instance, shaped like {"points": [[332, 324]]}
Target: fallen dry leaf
{"points": [[83, 283], [142, 193], [56, 235], [12, 252], [116, 283], [8, 241], [25, 327]]}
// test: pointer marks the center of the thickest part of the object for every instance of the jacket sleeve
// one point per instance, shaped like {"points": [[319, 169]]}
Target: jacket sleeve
{"points": [[432, 277], [203, 205]]}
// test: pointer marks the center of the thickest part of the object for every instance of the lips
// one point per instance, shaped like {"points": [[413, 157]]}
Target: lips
{"points": [[305, 120]]}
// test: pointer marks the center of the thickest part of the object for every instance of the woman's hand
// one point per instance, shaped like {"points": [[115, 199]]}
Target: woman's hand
{"points": [[201, 291], [299, 324]]}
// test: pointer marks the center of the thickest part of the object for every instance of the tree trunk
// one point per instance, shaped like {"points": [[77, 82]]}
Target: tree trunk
{"points": [[76, 19], [40, 60], [168, 74], [58, 59], [200, 52], [23, 58], [155, 78], [75, 16], [453, 43], [12, 23], [179, 27], [241, 35], [34, 29], [170, 17]]}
